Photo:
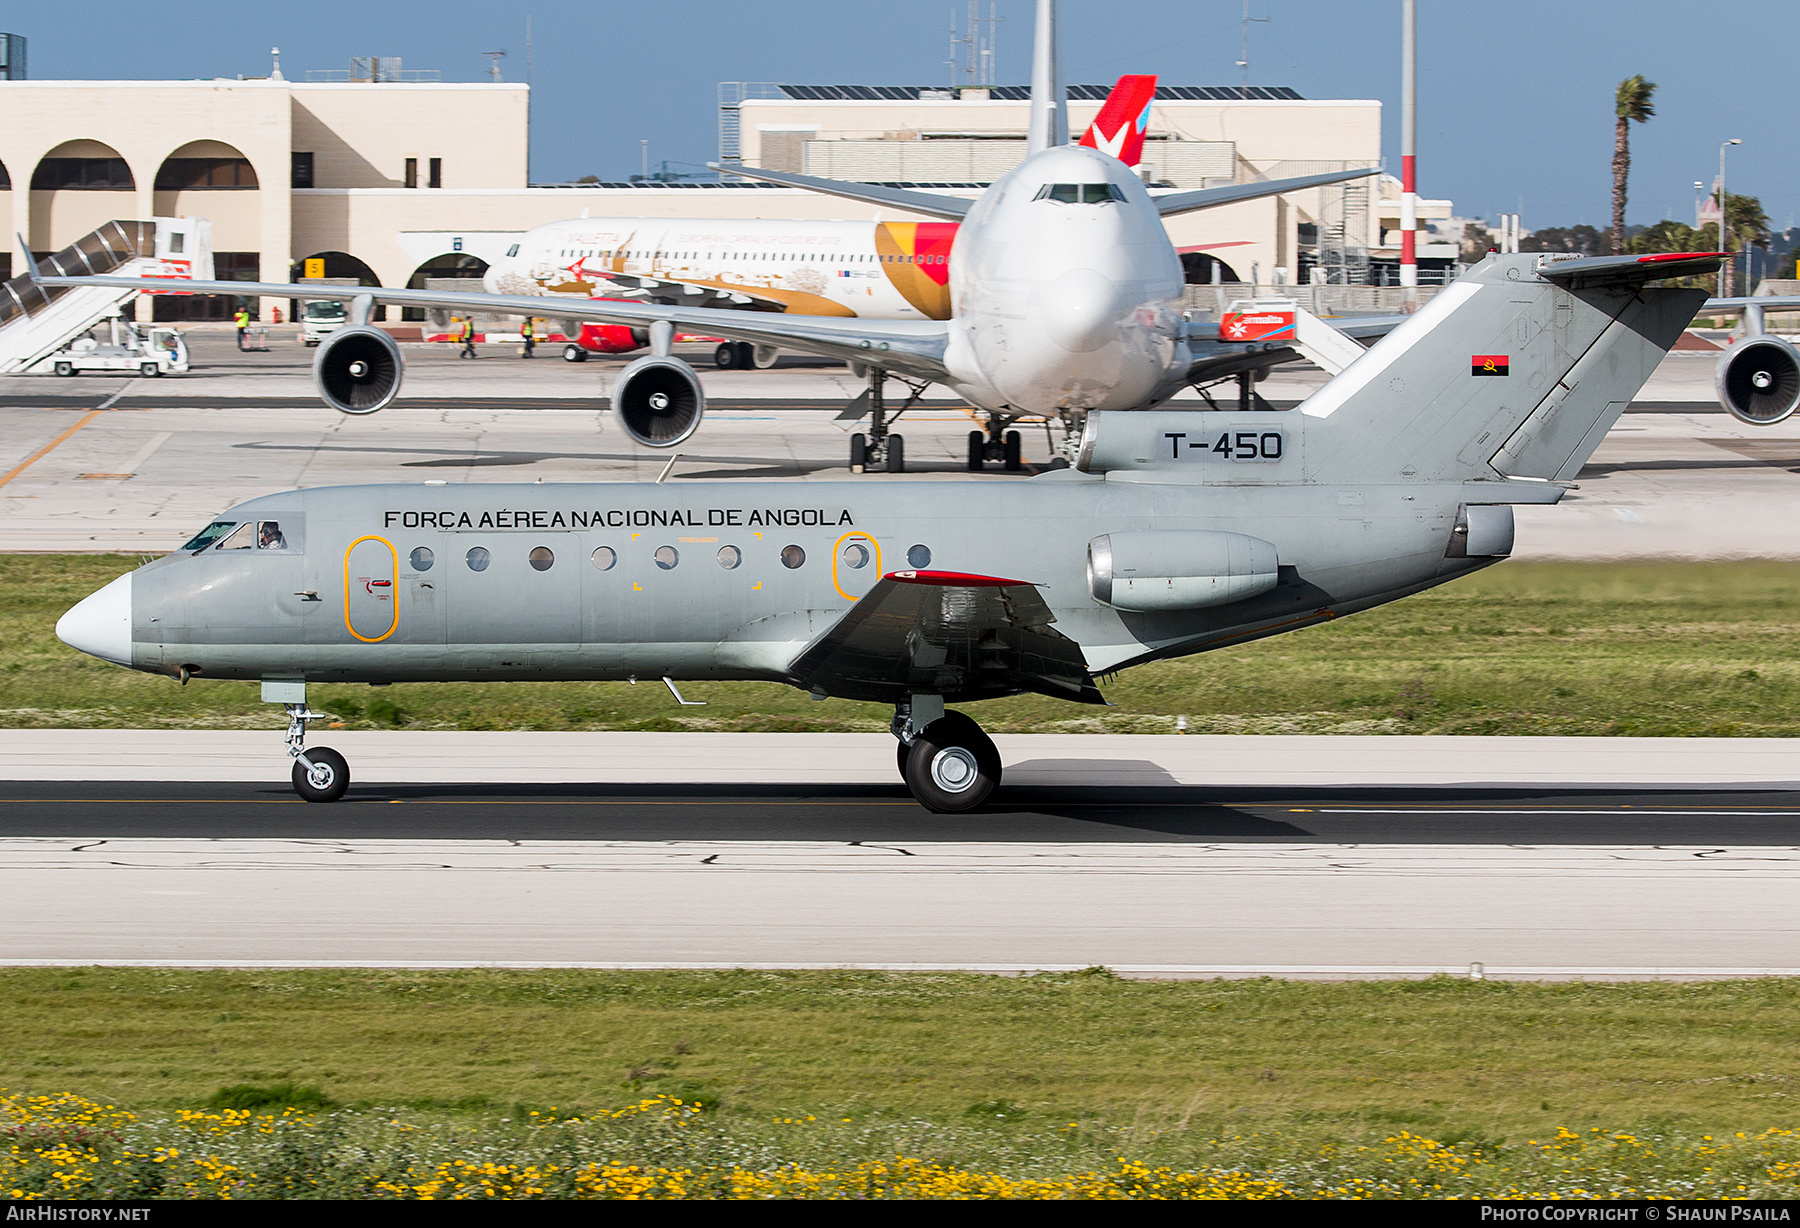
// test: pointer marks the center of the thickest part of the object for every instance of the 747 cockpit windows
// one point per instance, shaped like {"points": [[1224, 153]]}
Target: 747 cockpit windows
{"points": [[1080, 193]]}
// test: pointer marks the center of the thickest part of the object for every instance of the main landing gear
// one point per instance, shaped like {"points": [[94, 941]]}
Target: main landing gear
{"points": [[996, 444], [320, 774], [950, 765]]}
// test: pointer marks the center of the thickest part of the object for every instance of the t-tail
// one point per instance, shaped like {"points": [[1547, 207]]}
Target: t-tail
{"points": [[1119, 128], [1515, 371]]}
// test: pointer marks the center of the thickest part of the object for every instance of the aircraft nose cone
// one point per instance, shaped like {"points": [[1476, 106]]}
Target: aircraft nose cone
{"points": [[1080, 310], [100, 624]]}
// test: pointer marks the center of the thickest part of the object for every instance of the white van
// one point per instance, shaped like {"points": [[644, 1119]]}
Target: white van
{"points": [[318, 320]]}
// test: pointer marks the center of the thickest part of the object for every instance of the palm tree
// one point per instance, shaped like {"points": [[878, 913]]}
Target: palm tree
{"points": [[1632, 103]]}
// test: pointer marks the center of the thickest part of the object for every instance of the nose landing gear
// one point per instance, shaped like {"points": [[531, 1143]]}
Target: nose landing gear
{"points": [[321, 774], [950, 765]]}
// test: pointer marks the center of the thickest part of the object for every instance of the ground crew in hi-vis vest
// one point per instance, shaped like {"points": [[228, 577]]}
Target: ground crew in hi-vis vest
{"points": [[242, 320], [529, 336], [467, 337]]}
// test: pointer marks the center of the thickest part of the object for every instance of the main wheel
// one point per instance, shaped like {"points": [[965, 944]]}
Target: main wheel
{"points": [[977, 451], [859, 452], [952, 767], [901, 753], [1015, 452], [896, 454], [725, 358], [328, 779], [574, 353]]}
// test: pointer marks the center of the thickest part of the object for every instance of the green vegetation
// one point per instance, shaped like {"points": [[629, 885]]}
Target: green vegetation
{"points": [[1438, 1056], [797, 1083], [1671, 649]]}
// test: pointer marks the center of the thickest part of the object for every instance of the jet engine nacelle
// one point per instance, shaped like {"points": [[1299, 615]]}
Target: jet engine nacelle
{"points": [[658, 401], [1179, 570], [1758, 380], [357, 370]]}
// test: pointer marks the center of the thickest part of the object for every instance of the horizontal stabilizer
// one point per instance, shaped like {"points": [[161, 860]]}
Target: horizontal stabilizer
{"points": [[961, 636], [951, 207], [1628, 270]]}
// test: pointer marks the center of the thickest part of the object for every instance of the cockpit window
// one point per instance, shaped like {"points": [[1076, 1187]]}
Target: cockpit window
{"points": [[1080, 193], [242, 538], [513, 250], [269, 535], [210, 534]]}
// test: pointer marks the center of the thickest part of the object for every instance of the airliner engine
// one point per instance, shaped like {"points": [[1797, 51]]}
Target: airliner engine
{"points": [[358, 370], [658, 400], [1758, 380]]}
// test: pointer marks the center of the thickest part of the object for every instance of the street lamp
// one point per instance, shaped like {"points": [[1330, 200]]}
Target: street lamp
{"points": [[1724, 269]]}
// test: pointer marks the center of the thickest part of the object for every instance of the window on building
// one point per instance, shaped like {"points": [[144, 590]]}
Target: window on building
{"points": [[412, 172], [227, 266], [437, 174], [182, 174], [82, 174], [303, 170]]}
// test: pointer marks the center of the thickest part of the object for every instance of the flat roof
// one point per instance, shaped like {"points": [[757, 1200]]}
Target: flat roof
{"points": [[1022, 93]]}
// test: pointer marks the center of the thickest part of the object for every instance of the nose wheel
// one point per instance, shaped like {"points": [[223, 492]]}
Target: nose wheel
{"points": [[320, 774], [951, 766], [325, 776]]}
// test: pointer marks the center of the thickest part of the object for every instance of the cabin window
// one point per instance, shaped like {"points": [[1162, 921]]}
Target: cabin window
{"points": [[604, 557], [730, 557], [477, 558], [210, 534], [792, 557], [421, 558], [919, 557], [541, 558], [666, 557], [856, 555]]}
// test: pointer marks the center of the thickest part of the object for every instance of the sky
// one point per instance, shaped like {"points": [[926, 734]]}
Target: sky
{"points": [[1515, 100]]}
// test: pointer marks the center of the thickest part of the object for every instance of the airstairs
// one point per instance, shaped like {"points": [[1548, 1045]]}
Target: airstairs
{"points": [[36, 321]]}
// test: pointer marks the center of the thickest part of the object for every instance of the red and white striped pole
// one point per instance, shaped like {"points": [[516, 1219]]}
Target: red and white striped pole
{"points": [[1409, 131]]}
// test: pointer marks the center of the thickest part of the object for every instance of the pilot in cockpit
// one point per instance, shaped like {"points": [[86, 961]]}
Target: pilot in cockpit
{"points": [[269, 536]]}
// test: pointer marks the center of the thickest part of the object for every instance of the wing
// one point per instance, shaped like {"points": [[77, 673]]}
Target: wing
{"points": [[964, 637], [912, 347], [1173, 203], [951, 207]]}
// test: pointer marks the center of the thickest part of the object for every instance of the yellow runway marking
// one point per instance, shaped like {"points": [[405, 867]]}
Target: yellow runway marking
{"points": [[44, 451]]}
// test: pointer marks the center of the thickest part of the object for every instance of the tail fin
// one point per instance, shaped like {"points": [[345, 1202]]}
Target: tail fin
{"points": [[1517, 370], [1049, 121], [1119, 128]]}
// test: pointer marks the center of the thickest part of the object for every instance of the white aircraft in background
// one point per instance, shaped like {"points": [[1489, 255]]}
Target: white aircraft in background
{"points": [[867, 269]]}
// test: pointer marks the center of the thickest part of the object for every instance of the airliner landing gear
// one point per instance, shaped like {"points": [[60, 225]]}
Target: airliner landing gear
{"points": [[321, 774], [877, 449], [996, 444], [950, 765]]}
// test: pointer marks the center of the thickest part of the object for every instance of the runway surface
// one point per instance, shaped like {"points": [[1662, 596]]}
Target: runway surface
{"points": [[1105, 859]]}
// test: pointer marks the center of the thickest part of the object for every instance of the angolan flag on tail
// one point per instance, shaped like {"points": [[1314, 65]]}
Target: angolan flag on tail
{"points": [[1119, 128], [1488, 364]]}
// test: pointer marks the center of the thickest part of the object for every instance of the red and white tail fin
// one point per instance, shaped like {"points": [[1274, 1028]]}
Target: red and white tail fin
{"points": [[1119, 128]]}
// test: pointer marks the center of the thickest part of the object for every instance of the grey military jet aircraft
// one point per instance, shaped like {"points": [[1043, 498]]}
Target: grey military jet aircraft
{"points": [[1176, 533]]}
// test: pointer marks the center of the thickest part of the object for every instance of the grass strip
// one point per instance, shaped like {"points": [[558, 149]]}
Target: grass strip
{"points": [[1663, 649]]}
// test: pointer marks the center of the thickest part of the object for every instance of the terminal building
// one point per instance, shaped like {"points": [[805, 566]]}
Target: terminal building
{"points": [[396, 182]]}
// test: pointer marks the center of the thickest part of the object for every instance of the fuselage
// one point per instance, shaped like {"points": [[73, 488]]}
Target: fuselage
{"points": [[716, 580], [876, 270]]}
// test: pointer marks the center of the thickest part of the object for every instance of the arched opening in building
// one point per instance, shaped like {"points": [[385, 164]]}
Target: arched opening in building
{"points": [[213, 180], [335, 269], [76, 188], [1202, 269], [457, 267]]}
